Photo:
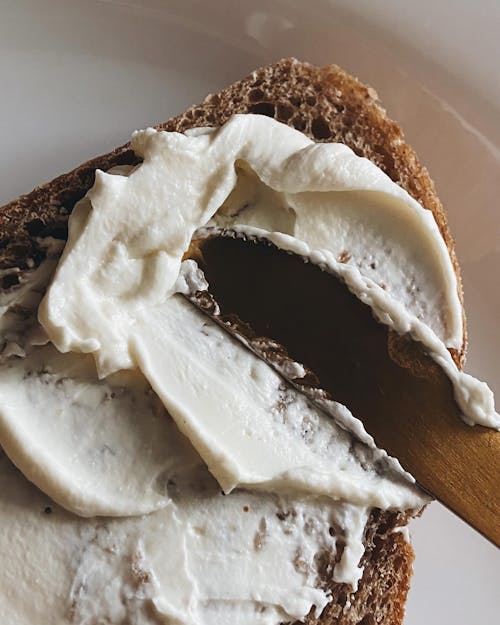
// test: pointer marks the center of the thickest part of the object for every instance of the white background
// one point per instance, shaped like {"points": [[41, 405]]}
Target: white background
{"points": [[76, 77]]}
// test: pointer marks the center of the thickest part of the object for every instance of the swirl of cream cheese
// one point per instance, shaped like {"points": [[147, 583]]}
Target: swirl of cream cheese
{"points": [[124, 255]]}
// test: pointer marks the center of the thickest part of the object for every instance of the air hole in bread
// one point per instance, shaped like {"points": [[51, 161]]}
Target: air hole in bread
{"points": [[256, 95], [320, 128], [56, 231], [34, 227], [398, 562], [383, 528], [342, 598], [368, 619], [299, 123], [284, 112], [69, 197], [10, 280], [387, 160], [263, 108]]}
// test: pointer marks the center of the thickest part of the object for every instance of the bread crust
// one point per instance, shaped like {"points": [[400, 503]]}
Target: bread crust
{"points": [[382, 591], [327, 104]]}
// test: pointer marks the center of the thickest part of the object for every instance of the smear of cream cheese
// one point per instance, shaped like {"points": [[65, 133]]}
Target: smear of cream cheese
{"points": [[251, 428], [99, 447], [112, 291], [127, 251], [125, 248], [189, 563], [95, 446]]}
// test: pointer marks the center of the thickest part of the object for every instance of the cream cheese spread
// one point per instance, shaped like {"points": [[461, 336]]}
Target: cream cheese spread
{"points": [[89, 445], [101, 446], [96, 447], [126, 244], [190, 561], [204, 559], [127, 250], [82, 422]]}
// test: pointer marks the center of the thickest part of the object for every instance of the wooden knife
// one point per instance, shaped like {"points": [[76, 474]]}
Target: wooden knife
{"points": [[402, 396]]}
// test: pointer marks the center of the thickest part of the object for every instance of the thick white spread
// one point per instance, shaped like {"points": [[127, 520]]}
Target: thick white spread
{"points": [[251, 429], [252, 556], [125, 247], [299, 484], [204, 559], [127, 251]]}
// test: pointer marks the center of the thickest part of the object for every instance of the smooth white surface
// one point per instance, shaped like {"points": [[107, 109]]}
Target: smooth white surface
{"points": [[77, 77]]}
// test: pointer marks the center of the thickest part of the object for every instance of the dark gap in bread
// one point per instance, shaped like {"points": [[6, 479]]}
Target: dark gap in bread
{"points": [[369, 619], [10, 280], [255, 95], [299, 123], [35, 227], [263, 108], [284, 111], [58, 230], [320, 128]]}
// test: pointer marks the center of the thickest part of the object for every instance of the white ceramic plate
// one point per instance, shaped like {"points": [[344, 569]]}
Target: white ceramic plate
{"points": [[77, 77]]}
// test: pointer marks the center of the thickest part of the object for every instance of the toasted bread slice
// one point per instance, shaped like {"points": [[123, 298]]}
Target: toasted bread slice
{"points": [[327, 104]]}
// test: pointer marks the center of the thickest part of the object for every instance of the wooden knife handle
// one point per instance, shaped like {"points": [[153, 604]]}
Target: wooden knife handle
{"points": [[456, 463]]}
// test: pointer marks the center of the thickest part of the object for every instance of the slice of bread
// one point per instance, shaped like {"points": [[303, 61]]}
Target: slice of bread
{"points": [[327, 104]]}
